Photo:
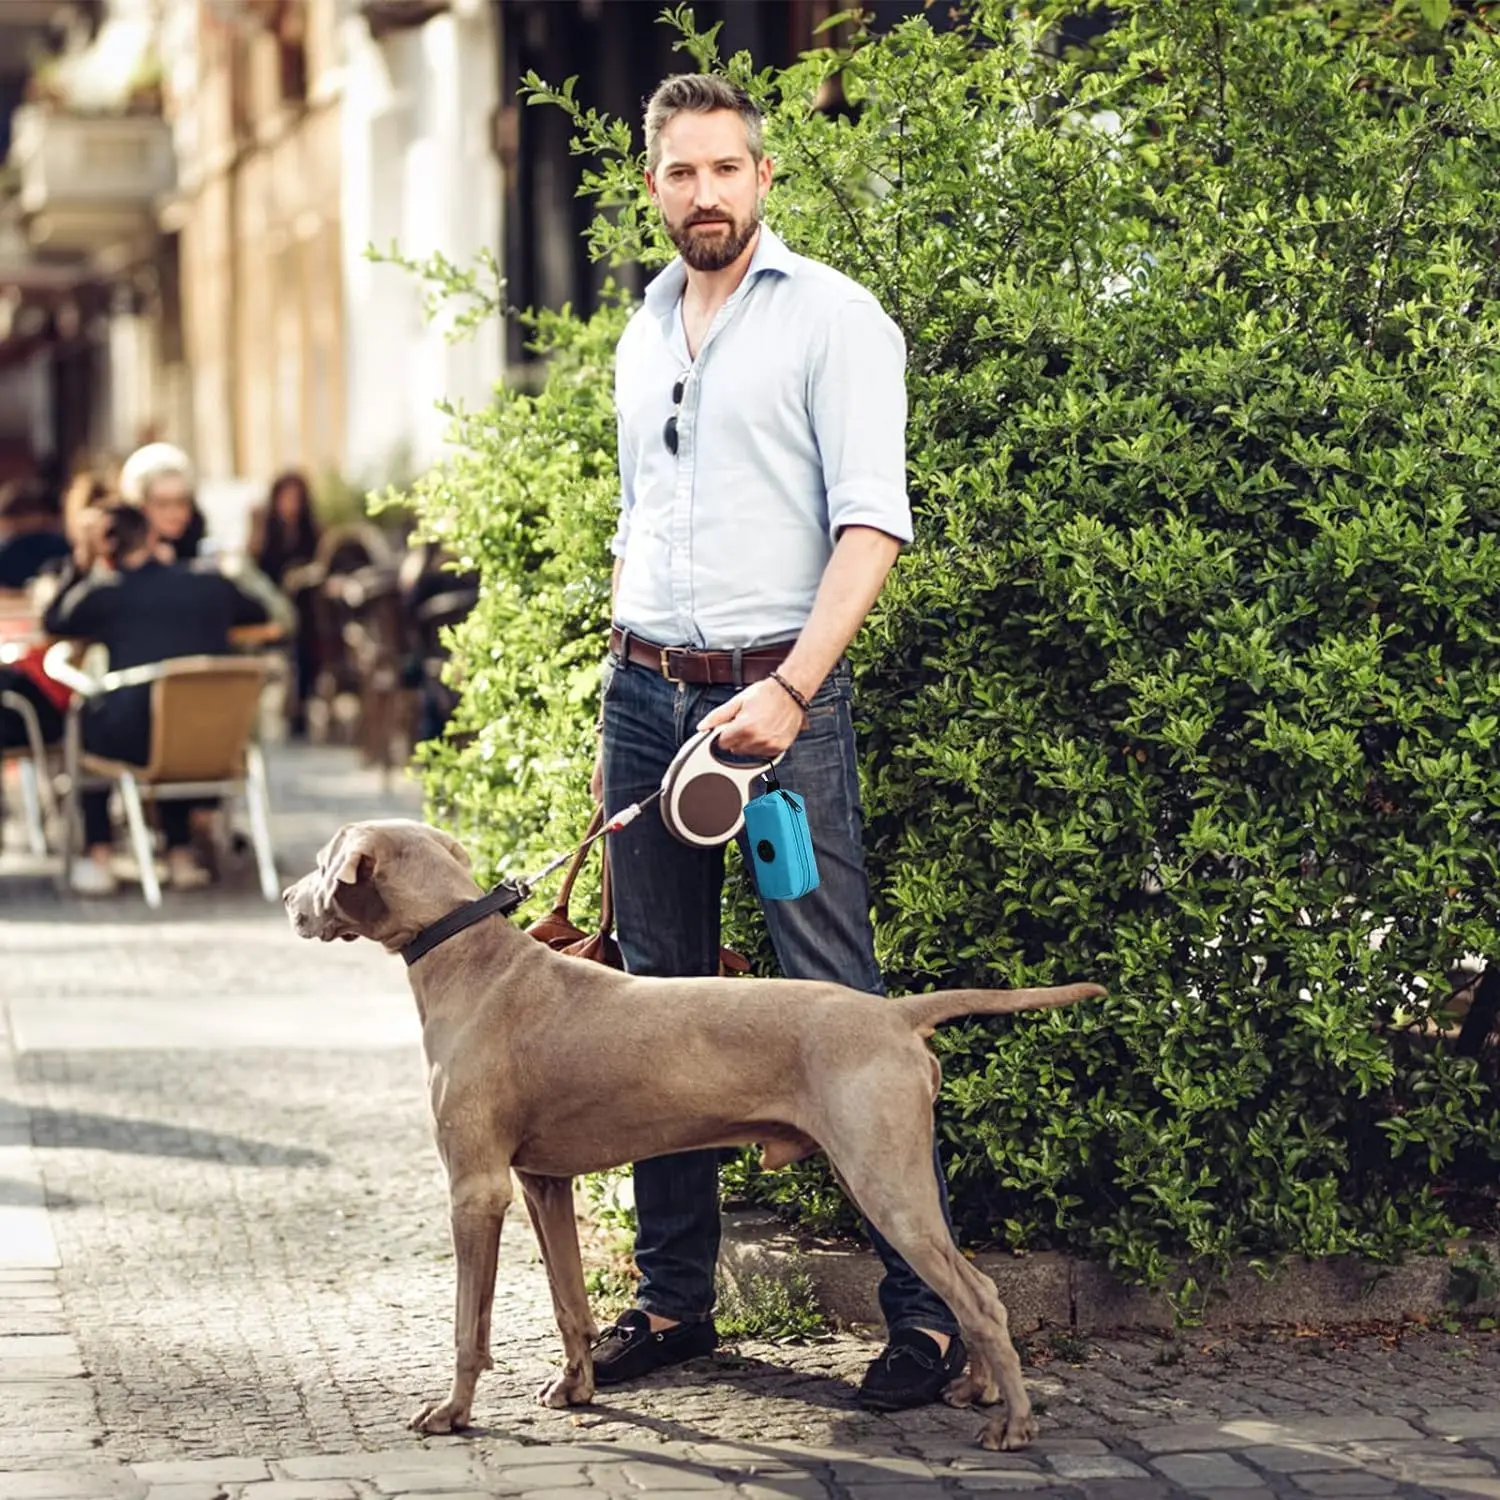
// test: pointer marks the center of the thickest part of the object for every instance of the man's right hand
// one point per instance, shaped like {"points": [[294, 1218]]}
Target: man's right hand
{"points": [[596, 781]]}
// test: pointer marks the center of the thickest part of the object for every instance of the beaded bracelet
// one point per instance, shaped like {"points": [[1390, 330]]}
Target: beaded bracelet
{"points": [[796, 697]]}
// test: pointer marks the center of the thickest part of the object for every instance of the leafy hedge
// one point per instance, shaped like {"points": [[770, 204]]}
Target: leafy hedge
{"points": [[1191, 681]]}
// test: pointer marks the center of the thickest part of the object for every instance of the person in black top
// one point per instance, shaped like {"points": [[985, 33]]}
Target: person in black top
{"points": [[143, 610], [30, 533], [284, 537]]}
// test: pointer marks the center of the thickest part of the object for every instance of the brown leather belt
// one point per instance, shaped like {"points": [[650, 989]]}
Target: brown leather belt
{"points": [[700, 668]]}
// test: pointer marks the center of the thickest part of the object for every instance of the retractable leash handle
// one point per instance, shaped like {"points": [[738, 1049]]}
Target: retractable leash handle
{"points": [[703, 796]]}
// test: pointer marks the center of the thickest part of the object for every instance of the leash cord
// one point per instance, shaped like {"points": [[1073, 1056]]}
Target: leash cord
{"points": [[622, 819]]}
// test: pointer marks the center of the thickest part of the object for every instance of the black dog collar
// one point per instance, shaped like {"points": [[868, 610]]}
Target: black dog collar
{"points": [[500, 902]]}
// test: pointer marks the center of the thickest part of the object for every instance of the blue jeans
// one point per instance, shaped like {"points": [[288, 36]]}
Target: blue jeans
{"points": [[667, 900]]}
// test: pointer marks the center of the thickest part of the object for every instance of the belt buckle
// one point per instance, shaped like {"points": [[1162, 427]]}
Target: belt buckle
{"points": [[666, 666]]}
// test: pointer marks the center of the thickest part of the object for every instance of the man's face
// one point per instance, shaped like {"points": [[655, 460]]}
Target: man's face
{"points": [[708, 187]]}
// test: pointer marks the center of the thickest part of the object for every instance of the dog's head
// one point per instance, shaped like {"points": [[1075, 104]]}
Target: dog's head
{"points": [[384, 880]]}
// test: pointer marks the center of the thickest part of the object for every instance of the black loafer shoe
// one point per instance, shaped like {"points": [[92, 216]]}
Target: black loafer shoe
{"points": [[909, 1372], [628, 1349]]}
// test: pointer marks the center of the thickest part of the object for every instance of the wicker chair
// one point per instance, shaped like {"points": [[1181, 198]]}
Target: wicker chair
{"points": [[204, 717], [37, 803]]}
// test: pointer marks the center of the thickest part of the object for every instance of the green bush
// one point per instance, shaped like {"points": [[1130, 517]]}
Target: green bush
{"points": [[1191, 681]]}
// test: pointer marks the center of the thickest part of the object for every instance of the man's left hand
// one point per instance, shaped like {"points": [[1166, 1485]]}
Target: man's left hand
{"points": [[762, 720]]}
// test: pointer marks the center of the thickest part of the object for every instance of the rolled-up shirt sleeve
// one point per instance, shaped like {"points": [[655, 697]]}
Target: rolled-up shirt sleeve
{"points": [[627, 490], [857, 397]]}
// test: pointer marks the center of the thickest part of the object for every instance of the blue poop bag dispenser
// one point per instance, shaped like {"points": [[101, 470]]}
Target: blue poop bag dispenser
{"points": [[780, 843]]}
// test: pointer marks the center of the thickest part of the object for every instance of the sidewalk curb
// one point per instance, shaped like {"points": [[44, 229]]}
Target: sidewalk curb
{"points": [[1056, 1290]]}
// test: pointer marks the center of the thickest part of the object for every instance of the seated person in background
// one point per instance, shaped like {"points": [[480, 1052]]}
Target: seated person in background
{"points": [[25, 677], [284, 535], [142, 610], [31, 534], [85, 492], [158, 480]]}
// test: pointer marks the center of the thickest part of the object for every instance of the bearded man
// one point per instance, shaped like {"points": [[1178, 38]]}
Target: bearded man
{"points": [[762, 411]]}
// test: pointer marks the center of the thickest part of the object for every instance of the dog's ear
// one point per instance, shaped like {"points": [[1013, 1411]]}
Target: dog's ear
{"points": [[358, 855], [347, 873]]}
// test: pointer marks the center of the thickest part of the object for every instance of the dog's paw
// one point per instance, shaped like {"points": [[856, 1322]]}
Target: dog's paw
{"points": [[569, 1388], [970, 1390], [1006, 1434], [439, 1417]]}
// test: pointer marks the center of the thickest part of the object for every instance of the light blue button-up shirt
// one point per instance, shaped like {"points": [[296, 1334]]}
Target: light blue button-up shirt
{"points": [[792, 426]]}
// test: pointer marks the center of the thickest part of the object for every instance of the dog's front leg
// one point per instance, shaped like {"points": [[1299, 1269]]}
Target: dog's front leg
{"points": [[549, 1200], [478, 1213]]}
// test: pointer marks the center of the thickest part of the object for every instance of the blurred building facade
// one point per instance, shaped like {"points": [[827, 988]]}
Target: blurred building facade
{"points": [[191, 187]]}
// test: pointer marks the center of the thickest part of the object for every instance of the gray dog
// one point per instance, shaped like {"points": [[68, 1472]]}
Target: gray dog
{"points": [[524, 1045]]}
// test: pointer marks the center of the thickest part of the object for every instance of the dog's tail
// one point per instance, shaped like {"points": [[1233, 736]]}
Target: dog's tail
{"points": [[927, 1011]]}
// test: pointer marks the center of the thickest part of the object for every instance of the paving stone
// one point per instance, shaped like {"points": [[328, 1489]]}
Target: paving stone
{"points": [[1005, 1479], [1353, 1428], [506, 1456], [1036, 1486], [856, 1469], [1289, 1460], [411, 1481], [100, 1483], [445, 1494], [1228, 1494], [790, 1488], [187, 1492], [38, 1346], [46, 1442], [1429, 1470], [559, 1476], [744, 1458], [1352, 1482], [653, 1476], [1141, 1489], [1095, 1466], [301, 1489], [1189, 1437], [414, 1463], [28, 1369], [1201, 1472], [1461, 1422], [214, 1471]]}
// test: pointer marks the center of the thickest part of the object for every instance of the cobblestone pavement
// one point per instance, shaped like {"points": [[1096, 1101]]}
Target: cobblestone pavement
{"points": [[224, 1272]]}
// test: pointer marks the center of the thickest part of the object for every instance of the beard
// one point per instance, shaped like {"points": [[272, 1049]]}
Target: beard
{"points": [[712, 250]]}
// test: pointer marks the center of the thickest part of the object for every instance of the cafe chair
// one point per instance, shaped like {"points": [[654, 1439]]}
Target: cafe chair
{"points": [[37, 802], [205, 713]]}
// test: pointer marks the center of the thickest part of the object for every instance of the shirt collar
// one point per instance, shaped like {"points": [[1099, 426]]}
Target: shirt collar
{"points": [[771, 254]]}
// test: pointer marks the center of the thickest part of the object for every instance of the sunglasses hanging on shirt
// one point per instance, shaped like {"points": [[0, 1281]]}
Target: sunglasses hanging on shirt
{"points": [[669, 432]]}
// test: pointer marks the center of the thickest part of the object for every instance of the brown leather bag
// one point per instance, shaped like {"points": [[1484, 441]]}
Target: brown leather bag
{"points": [[559, 933], [557, 930]]}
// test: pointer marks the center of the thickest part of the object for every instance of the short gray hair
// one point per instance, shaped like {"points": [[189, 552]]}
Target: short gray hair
{"points": [[701, 94], [146, 465]]}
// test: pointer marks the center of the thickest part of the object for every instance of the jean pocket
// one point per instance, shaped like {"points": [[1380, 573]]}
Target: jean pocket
{"points": [[609, 677], [833, 694]]}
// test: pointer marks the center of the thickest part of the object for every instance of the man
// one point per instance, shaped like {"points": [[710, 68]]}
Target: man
{"points": [[762, 411], [142, 610]]}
